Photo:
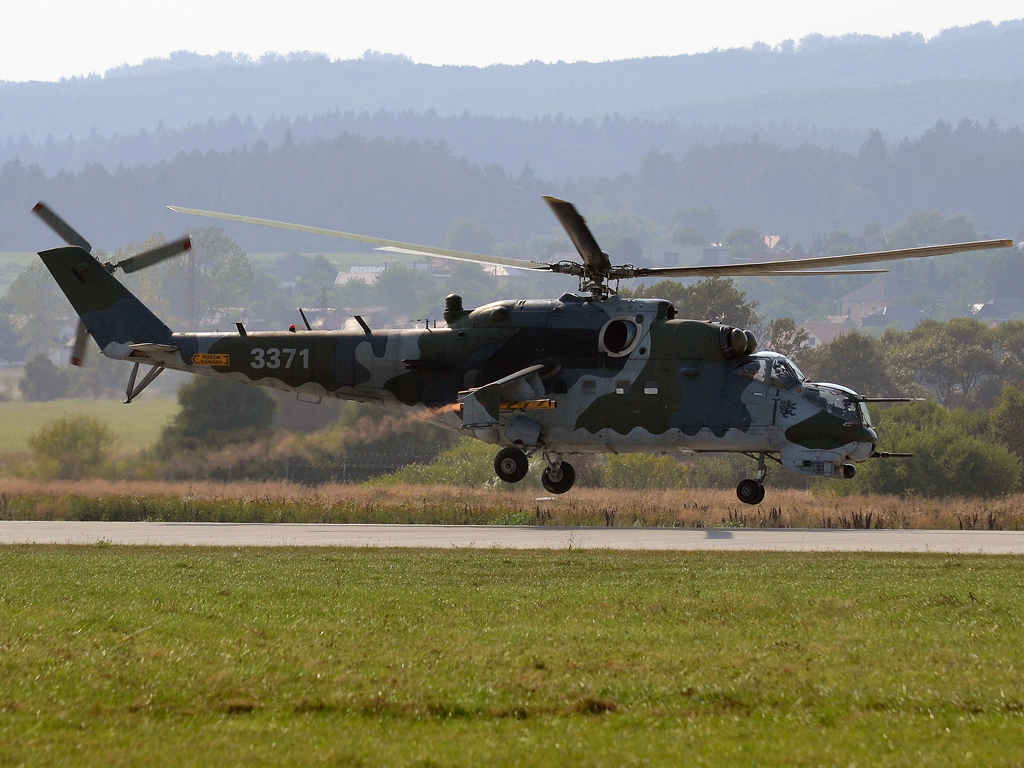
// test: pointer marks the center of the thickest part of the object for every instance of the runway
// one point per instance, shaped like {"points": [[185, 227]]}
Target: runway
{"points": [[509, 537]]}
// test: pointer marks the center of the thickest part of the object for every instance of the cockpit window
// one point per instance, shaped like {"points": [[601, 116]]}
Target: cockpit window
{"points": [[754, 370], [784, 374], [838, 404], [865, 415]]}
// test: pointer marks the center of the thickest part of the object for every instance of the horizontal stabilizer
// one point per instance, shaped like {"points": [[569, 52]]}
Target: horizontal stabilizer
{"points": [[154, 347]]}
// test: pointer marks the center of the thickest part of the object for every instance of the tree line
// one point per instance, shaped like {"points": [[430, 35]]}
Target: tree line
{"points": [[554, 146], [413, 191]]}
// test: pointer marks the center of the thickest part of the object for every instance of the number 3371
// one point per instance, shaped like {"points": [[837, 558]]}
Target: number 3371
{"points": [[278, 358]]}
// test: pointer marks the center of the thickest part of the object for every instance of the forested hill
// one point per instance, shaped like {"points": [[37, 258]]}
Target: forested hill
{"points": [[190, 89], [414, 191], [554, 147]]}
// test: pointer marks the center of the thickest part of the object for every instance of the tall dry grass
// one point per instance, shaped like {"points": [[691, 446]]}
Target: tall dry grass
{"points": [[291, 502]]}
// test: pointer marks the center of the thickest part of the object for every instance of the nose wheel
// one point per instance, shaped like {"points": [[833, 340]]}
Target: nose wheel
{"points": [[558, 478], [752, 491], [511, 465]]}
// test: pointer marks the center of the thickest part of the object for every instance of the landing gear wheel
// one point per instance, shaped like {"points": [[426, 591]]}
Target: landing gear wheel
{"points": [[750, 492], [511, 465], [558, 479]]}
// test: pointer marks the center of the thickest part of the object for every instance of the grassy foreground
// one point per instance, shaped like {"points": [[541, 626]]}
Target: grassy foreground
{"points": [[163, 656]]}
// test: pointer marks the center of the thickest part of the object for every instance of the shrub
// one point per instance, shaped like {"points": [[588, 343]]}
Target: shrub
{"points": [[215, 412], [952, 456], [644, 471], [71, 447], [468, 463], [43, 380]]}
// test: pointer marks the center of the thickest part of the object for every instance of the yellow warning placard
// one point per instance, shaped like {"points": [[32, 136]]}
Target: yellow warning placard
{"points": [[208, 359]]}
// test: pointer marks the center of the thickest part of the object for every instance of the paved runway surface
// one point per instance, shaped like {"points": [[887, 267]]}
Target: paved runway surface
{"points": [[509, 537]]}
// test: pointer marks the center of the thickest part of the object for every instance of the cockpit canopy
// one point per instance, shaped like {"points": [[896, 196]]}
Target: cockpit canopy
{"points": [[772, 368], [781, 372]]}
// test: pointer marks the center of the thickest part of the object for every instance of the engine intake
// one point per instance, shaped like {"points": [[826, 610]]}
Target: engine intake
{"points": [[737, 342]]}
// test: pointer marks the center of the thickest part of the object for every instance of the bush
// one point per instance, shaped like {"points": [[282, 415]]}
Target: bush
{"points": [[44, 381], [952, 456], [468, 463], [644, 471], [71, 447], [215, 412]]}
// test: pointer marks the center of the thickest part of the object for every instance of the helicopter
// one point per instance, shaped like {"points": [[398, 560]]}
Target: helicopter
{"points": [[590, 372]]}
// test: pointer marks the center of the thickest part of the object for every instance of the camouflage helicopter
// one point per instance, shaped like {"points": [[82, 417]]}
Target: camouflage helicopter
{"points": [[590, 372]]}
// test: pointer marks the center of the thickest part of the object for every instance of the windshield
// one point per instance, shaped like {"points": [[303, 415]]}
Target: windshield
{"points": [[838, 404], [785, 375], [865, 415]]}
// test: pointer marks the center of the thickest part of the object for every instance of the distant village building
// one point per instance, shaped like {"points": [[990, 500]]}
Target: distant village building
{"points": [[881, 294], [365, 274], [907, 317], [672, 255], [825, 333], [998, 311]]}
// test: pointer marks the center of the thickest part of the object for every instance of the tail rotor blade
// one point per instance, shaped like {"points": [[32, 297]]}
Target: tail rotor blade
{"points": [[78, 350], [66, 232], [154, 255]]}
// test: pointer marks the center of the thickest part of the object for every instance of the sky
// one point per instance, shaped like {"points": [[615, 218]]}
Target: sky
{"points": [[50, 39]]}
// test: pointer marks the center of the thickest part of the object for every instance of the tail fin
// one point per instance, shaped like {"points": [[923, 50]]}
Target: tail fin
{"points": [[108, 309]]}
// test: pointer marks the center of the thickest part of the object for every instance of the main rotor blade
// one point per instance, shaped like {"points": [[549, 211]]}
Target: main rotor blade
{"points": [[395, 246], [66, 232], [576, 227], [472, 257], [154, 255], [817, 262]]}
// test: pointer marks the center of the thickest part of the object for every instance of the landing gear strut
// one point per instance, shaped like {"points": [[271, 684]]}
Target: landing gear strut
{"points": [[558, 477], [511, 465], [752, 491]]}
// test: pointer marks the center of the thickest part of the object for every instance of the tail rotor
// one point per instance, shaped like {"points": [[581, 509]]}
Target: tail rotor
{"points": [[148, 258]]}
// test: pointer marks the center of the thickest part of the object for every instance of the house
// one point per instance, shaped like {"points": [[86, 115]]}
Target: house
{"points": [[825, 333], [672, 255], [366, 274], [907, 317], [881, 293], [998, 311]]}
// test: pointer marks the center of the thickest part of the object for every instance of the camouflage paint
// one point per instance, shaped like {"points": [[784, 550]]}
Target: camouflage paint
{"points": [[621, 374]]}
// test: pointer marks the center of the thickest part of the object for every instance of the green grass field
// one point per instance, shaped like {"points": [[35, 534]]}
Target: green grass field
{"points": [[140, 656], [137, 425]]}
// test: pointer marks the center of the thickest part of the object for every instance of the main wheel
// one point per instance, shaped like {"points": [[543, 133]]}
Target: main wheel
{"points": [[558, 479], [511, 465], [750, 492]]}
